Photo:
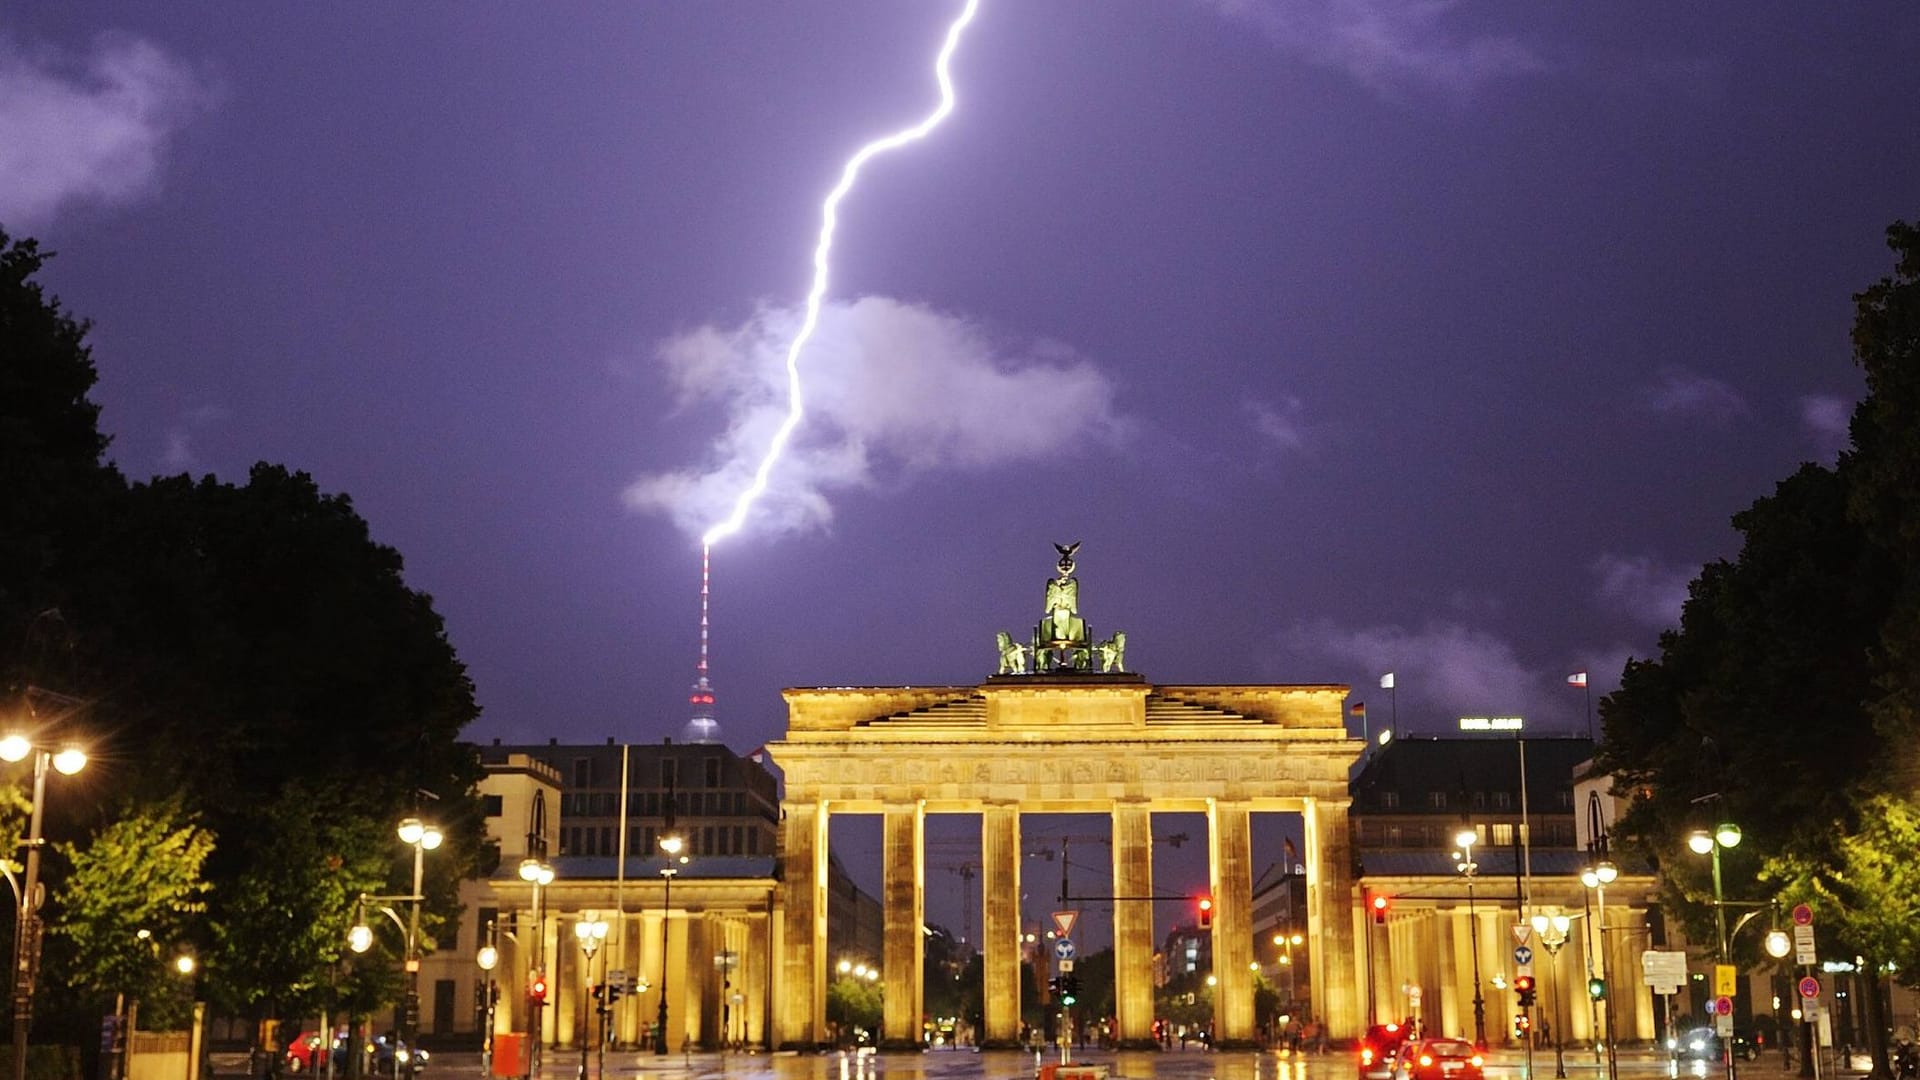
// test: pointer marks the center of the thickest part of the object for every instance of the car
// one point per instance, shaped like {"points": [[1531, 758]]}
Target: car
{"points": [[1703, 1044], [1377, 1048], [1438, 1059], [412, 1059], [302, 1052]]}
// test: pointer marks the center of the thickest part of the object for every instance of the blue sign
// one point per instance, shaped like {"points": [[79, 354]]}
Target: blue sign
{"points": [[1063, 948], [1522, 955]]}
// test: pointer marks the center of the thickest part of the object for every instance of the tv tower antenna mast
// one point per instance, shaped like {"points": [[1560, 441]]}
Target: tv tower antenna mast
{"points": [[701, 726]]}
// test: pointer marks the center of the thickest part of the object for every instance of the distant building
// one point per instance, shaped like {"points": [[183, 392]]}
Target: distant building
{"points": [[724, 803], [1439, 925], [706, 934]]}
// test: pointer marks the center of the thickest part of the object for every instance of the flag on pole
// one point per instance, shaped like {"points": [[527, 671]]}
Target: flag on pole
{"points": [[1359, 708], [1578, 678], [1386, 681]]}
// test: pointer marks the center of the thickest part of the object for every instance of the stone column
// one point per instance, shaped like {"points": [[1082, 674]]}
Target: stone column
{"points": [[1000, 922], [903, 887], [1230, 858], [1331, 918], [1448, 973], [800, 991], [1133, 924]]}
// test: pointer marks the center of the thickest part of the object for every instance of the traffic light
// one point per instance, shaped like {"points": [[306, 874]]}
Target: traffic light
{"points": [[1523, 987], [1380, 904], [1205, 906], [613, 991], [537, 988], [1521, 1025], [1053, 988], [1597, 988], [1069, 989]]}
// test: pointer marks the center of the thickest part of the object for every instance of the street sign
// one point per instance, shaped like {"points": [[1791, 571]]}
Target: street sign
{"points": [[1723, 1006], [1522, 955], [617, 977], [1413, 995], [1726, 980], [1809, 988], [1063, 948], [1803, 952], [1665, 971], [1521, 932], [1063, 922], [1066, 966], [1802, 915]]}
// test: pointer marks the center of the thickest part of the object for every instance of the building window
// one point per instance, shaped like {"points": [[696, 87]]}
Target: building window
{"points": [[647, 844], [606, 839], [1390, 800], [1566, 800], [736, 839], [668, 774], [495, 806], [706, 840], [1437, 800], [713, 772], [1502, 800], [1502, 834], [1393, 836], [1479, 800], [753, 841], [582, 772]]}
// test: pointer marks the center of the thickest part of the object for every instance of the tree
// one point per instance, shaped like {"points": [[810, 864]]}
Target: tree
{"points": [[247, 648], [130, 904], [855, 1007]]}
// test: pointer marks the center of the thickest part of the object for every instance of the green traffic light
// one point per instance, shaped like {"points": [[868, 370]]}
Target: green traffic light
{"points": [[1597, 989]]}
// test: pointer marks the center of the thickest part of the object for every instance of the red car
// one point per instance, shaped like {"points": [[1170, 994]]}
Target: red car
{"points": [[1377, 1048], [302, 1051], [1439, 1059]]}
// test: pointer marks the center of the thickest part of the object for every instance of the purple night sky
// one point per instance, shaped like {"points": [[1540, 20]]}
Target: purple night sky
{"points": [[1349, 335]]}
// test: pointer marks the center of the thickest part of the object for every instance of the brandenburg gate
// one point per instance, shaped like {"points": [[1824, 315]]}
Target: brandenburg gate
{"points": [[1063, 738]]}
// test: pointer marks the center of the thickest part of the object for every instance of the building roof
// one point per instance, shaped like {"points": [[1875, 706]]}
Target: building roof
{"points": [[1414, 765]]}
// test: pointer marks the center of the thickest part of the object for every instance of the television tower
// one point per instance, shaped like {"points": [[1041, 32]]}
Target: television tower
{"points": [[701, 726]]}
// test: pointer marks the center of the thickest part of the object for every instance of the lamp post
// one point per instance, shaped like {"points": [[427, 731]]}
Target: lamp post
{"points": [[422, 838], [26, 939], [671, 845], [1287, 942], [488, 959], [1702, 842], [1553, 934], [1597, 877], [591, 931], [1466, 838], [536, 872]]}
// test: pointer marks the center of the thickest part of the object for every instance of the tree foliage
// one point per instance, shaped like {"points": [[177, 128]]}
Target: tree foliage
{"points": [[1788, 699], [248, 650], [131, 902]]}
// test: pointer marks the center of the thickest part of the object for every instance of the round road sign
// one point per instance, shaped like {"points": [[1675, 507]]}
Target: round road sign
{"points": [[1809, 987], [1063, 948], [1723, 1006], [1802, 915]]}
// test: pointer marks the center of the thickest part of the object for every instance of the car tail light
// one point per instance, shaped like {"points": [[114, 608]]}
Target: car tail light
{"points": [[1477, 1060], [1366, 1055], [1425, 1060]]}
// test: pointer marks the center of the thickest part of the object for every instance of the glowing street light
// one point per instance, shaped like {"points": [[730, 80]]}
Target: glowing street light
{"points": [[68, 759]]}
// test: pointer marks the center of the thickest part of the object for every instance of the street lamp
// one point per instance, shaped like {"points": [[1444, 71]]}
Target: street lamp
{"points": [[1287, 942], [1724, 835], [670, 845], [537, 873], [1553, 934], [67, 760], [489, 958], [1597, 877], [591, 931], [422, 838], [1466, 838]]}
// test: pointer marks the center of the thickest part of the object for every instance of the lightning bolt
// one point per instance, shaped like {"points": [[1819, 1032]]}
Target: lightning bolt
{"points": [[829, 221]]}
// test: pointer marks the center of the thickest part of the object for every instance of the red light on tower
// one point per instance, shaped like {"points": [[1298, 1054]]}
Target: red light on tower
{"points": [[1205, 908]]}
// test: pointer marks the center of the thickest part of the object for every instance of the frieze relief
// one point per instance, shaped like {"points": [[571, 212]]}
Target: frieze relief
{"points": [[1074, 771]]}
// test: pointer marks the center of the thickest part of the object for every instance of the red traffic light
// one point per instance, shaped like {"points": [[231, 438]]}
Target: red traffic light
{"points": [[1523, 983], [1380, 903], [1205, 906], [537, 988]]}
